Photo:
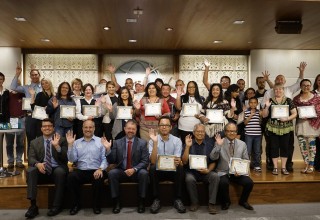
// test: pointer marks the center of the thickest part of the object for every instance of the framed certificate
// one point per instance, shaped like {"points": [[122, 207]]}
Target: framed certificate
{"points": [[100, 88], [152, 109], [215, 115], [90, 110], [190, 109], [26, 104], [138, 96], [67, 111], [166, 163], [307, 111], [124, 112], [15, 123], [239, 166], [198, 162], [39, 113], [279, 111]]}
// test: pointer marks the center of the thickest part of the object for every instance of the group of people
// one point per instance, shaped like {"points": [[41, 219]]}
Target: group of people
{"points": [[105, 145]]}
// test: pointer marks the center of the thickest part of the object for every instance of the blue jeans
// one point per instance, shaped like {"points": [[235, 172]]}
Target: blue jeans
{"points": [[254, 143], [19, 136]]}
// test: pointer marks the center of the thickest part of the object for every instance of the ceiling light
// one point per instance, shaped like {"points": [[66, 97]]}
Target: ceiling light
{"points": [[20, 19], [45, 40], [138, 11], [131, 20], [132, 41], [22, 40], [238, 22], [217, 41], [249, 42], [169, 29], [107, 28]]}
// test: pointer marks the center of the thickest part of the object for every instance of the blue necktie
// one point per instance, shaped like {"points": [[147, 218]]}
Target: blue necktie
{"points": [[48, 164]]}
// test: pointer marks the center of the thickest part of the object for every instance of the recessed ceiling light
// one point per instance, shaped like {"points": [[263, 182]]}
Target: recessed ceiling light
{"points": [[20, 19], [45, 40], [217, 41], [132, 41], [169, 29], [131, 20], [22, 40], [238, 22], [107, 28], [249, 42]]}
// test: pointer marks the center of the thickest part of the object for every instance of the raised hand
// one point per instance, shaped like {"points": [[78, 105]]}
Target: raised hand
{"points": [[70, 138], [206, 63], [188, 140], [107, 144], [18, 69], [302, 66], [265, 75], [153, 135], [55, 102], [111, 68], [55, 140], [233, 103], [219, 140], [148, 71], [179, 90]]}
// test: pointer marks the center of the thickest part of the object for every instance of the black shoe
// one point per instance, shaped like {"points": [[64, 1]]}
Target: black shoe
{"points": [[96, 211], [179, 206], [225, 206], [54, 211], [20, 165], [10, 166], [155, 207], [290, 168], [269, 167], [246, 205], [74, 210], [116, 206], [32, 212], [141, 206]]}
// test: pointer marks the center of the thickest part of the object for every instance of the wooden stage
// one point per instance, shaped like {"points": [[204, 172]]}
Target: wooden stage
{"points": [[268, 189]]}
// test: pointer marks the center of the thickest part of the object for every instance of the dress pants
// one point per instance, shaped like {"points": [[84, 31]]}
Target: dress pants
{"points": [[290, 150], [58, 177], [177, 177], [117, 175], [245, 181], [80, 177], [212, 179]]}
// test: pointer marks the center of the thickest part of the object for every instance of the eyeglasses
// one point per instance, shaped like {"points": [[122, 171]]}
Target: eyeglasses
{"points": [[305, 86], [231, 131], [164, 125]]}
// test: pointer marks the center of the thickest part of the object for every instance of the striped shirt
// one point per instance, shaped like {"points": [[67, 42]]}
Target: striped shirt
{"points": [[253, 127]]}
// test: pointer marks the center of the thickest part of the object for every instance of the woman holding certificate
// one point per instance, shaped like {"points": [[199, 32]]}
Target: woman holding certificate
{"points": [[62, 107], [190, 106], [121, 112], [280, 111], [89, 108], [215, 111], [76, 85], [308, 123], [149, 110]]}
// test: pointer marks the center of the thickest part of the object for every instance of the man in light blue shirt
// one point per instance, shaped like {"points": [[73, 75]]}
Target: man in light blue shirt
{"points": [[89, 153], [165, 144]]}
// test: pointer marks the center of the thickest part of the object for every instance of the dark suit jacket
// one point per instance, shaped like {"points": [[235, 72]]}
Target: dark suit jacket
{"points": [[140, 153], [37, 153]]}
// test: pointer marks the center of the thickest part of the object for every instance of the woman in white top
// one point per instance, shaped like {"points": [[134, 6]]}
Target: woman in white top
{"points": [[192, 96]]}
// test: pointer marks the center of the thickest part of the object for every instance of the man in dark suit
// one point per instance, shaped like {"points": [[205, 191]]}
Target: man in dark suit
{"points": [[47, 163], [131, 158]]}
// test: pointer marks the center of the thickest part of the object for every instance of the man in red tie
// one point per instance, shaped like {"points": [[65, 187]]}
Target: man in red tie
{"points": [[130, 158]]}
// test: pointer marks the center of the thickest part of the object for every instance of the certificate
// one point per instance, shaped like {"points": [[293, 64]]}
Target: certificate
{"points": [[279, 111], [215, 115], [190, 109], [26, 104], [124, 112], [239, 166], [138, 96], [307, 111], [39, 113], [90, 110], [15, 123], [152, 109], [67, 111], [101, 88], [198, 162], [166, 163]]}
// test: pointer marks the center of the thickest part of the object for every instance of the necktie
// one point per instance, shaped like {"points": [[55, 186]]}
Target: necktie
{"points": [[47, 159], [231, 149], [129, 165]]}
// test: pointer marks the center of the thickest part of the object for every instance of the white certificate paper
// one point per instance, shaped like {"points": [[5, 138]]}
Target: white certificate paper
{"points": [[152, 109], [215, 115], [26, 104], [67, 111], [166, 163], [124, 112], [198, 162], [100, 88], [190, 109], [90, 110], [279, 111], [307, 111], [14, 123], [239, 166], [39, 113], [138, 96]]}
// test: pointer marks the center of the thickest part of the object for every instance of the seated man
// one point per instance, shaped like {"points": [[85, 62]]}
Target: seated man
{"points": [[200, 146], [223, 150], [89, 154], [130, 154], [165, 144], [47, 163]]}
